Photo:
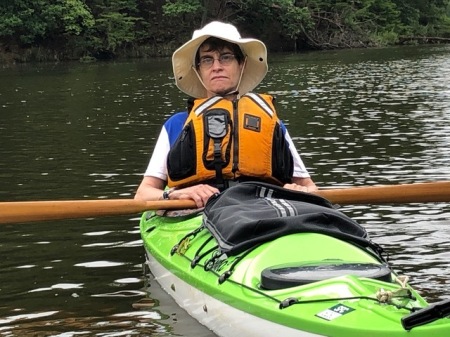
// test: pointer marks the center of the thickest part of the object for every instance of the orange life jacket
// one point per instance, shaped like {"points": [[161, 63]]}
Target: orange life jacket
{"points": [[223, 139]]}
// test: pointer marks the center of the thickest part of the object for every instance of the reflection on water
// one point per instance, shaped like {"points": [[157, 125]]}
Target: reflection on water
{"points": [[144, 323], [85, 131]]}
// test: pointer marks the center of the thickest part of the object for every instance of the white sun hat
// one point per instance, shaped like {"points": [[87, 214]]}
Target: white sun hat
{"points": [[183, 59]]}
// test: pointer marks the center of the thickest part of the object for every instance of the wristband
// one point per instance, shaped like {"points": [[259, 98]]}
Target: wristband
{"points": [[166, 193]]}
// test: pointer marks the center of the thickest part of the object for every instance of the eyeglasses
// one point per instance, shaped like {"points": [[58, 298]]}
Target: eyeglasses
{"points": [[206, 62]]}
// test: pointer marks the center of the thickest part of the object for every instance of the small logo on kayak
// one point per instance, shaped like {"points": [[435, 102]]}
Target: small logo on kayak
{"points": [[335, 312]]}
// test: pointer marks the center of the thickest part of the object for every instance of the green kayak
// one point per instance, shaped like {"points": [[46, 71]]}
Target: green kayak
{"points": [[283, 279]]}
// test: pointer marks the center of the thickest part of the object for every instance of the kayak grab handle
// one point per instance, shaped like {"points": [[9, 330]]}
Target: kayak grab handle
{"points": [[426, 315]]}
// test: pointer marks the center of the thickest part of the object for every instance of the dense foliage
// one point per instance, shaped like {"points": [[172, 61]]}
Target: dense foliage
{"points": [[67, 29]]}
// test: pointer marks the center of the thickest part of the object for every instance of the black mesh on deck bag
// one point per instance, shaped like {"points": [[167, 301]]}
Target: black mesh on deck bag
{"points": [[251, 213]]}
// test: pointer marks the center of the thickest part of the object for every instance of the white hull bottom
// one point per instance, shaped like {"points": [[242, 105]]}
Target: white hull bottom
{"points": [[219, 317]]}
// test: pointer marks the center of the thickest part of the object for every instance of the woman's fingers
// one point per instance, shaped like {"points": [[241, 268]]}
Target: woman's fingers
{"points": [[296, 187], [199, 193]]}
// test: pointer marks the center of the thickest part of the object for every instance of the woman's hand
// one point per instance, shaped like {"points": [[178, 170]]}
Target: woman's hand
{"points": [[199, 193], [302, 185], [296, 187]]}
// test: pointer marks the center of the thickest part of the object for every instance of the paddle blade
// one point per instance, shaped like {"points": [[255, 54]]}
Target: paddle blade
{"points": [[29, 211]]}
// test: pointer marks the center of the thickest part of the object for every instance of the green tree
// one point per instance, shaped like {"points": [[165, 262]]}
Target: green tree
{"points": [[115, 26], [112, 28], [33, 21]]}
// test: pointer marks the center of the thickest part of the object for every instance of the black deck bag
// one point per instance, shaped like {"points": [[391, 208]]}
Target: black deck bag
{"points": [[251, 213]]}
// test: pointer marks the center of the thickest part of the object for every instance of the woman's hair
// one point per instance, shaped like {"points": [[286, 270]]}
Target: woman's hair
{"points": [[216, 44]]}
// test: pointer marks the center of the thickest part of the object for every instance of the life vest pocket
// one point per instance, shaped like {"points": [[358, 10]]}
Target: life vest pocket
{"points": [[182, 157], [217, 134]]}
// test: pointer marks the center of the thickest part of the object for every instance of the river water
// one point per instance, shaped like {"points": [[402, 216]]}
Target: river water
{"points": [[86, 131]]}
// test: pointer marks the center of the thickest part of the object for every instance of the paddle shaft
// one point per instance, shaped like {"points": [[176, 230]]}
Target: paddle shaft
{"points": [[390, 194], [28, 211]]}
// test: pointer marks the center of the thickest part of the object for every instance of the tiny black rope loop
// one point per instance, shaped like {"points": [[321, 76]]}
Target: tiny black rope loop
{"points": [[224, 276], [194, 261], [197, 258], [174, 249], [288, 302]]}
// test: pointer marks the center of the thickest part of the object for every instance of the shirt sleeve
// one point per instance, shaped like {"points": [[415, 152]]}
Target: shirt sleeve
{"points": [[300, 170], [170, 131], [157, 167]]}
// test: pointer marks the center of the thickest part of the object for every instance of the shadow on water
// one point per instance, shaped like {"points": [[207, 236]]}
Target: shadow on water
{"points": [[86, 131]]}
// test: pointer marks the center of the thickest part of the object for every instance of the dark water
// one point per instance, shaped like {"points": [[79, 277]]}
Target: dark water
{"points": [[86, 131]]}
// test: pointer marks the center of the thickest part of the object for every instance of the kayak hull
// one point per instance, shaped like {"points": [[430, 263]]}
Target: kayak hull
{"points": [[226, 294]]}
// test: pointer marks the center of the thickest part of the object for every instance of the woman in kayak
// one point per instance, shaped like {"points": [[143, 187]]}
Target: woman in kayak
{"points": [[227, 134]]}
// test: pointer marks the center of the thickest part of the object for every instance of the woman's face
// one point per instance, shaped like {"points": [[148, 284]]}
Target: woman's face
{"points": [[222, 75]]}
